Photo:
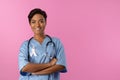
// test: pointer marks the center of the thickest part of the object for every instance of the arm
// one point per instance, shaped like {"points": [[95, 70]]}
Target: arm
{"points": [[49, 70], [32, 67], [26, 66], [60, 64]]}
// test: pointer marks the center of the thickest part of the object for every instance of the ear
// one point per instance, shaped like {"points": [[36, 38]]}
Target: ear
{"points": [[29, 23], [45, 22]]}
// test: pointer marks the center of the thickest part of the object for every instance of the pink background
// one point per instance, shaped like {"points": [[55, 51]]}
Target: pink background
{"points": [[89, 30]]}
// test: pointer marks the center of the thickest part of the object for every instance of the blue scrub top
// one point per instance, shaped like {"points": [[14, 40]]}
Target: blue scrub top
{"points": [[38, 53]]}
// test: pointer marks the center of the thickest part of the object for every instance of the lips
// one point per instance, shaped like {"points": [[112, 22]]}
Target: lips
{"points": [[37, 29]]}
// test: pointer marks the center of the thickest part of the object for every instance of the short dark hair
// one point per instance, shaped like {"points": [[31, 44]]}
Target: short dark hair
{"points": [[36, 11]]}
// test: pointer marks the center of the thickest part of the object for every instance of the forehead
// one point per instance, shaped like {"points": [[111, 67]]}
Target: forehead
{"points": [[37, 16]]}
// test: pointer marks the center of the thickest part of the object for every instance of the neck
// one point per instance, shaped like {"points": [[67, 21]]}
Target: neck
{"points": [[39, 38]]}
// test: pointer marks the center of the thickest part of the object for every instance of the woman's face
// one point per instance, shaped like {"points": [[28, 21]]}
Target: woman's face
{"points": [[38, 24]]}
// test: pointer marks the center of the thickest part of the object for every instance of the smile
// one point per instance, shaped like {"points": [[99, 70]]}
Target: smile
{"points": [[37, 28]]}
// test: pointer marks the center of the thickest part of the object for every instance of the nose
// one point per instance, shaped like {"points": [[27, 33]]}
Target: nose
{"points": [[37, 24]]}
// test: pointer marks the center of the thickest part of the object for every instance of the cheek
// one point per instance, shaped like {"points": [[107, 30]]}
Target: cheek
{"points": [[44, 25], [32, 26]]}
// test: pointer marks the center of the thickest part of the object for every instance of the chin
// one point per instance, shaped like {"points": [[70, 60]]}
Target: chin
{"points": [[38, 33]]}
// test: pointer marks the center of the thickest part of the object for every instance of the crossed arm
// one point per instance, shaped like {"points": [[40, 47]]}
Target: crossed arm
{"points": [[42, 69]]}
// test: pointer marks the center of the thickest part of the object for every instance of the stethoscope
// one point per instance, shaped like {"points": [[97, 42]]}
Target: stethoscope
{"points": [[48, 43]]}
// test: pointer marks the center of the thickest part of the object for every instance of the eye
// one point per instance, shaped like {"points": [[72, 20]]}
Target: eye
{"points": [[33, 22], [42, 21]]}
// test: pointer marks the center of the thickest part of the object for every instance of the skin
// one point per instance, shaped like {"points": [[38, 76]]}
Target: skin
{"points": [[38, 24]]}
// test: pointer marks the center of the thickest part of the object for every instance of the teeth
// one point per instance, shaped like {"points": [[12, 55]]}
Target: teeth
{"points": [[37, 28]]}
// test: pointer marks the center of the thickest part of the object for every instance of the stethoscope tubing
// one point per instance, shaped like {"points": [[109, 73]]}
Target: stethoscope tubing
{"points": [[51, 41]]}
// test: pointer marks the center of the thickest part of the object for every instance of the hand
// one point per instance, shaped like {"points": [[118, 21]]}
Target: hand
{"points": [[53, 61]]}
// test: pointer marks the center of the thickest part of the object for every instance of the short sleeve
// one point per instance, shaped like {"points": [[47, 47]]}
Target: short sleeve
{"points": [[60, 55], [23, 58]]}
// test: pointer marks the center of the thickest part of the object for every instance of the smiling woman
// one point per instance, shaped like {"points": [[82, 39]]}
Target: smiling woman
{"points": [[89, 29], [37, 21], [38, 24], [34, 63]]}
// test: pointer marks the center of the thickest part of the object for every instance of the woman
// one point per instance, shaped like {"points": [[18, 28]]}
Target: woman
{"points": [[41, 57]]}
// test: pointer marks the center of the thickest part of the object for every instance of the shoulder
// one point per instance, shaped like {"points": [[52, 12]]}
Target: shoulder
{"points": [[56, 39], [24, 43]]}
